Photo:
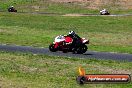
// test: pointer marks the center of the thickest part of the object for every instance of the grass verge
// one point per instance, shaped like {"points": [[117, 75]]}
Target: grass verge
{"points": [[19, 70]]}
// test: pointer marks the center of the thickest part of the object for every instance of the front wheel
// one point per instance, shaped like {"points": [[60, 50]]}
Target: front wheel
{"points": [[51, 48]]}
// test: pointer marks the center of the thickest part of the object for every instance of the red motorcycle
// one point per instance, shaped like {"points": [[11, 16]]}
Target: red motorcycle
{"points": [[63, 43]]}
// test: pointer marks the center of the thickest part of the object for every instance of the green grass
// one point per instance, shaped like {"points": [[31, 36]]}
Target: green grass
{"points": [[19, 70], [112, 34], [54, 7]]}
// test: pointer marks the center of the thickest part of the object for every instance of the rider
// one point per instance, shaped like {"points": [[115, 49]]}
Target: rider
{"points": [[76, 39]]}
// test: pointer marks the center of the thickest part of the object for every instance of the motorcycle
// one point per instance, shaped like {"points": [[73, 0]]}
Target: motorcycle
{"points": [[12, 10], [104, 13], [64, 44]]}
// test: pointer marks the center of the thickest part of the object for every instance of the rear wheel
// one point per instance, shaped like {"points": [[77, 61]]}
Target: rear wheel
{"points": [[15, 10], [84, 48], [80, 50], [51, 48]]}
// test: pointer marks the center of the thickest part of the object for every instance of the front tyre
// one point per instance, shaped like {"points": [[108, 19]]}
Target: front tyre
{"points": [[51, 48]]}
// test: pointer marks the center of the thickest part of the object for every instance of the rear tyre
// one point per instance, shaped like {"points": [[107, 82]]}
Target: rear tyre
{"points": [[77, 51], [84, 48], [15, 10], [51, 48], [80, 50]]}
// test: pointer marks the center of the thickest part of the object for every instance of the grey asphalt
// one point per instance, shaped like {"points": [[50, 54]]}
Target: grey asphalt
{"points": [[87, 55]]}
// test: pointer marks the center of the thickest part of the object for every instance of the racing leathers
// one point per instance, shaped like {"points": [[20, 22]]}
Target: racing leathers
{"points": [[76, 41]]}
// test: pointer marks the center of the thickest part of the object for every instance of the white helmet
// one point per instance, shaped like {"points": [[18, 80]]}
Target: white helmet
{"points": [[104, 9], [71, 32], [12, 6]]}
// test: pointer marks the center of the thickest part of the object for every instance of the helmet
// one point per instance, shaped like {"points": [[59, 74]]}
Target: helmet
{"points": [[12, 6], [71, 32], [104, 9]]}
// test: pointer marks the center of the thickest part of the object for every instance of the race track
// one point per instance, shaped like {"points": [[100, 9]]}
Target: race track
{"points": [[87, 55]]}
